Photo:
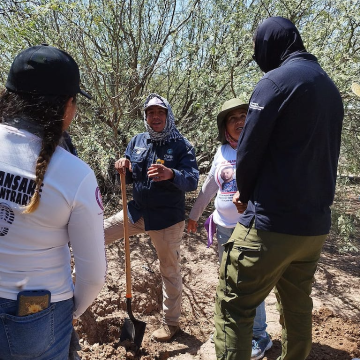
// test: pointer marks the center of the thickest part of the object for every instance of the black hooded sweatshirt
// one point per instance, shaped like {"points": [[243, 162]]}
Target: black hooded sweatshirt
{"points": [[288, 152]]}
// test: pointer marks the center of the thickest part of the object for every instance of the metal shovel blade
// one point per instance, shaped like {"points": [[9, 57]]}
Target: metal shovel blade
{"points": [[133, 330]]}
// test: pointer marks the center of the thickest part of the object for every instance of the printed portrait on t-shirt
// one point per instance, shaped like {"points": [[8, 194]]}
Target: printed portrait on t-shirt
{"points": [[225, 178]]}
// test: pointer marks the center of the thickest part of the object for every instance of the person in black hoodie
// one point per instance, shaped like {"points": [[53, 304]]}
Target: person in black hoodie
{"points": [[286, 169]]}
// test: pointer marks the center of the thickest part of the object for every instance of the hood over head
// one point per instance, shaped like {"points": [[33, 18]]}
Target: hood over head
{"points": [[276, 38]]}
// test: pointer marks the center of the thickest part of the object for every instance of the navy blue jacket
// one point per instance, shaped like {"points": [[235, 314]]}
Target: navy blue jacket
{"points": [[161, 204], [288, 152]]}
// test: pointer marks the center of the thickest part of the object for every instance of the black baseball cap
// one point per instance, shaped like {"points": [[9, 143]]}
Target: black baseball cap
{"points": [[44, 70]]}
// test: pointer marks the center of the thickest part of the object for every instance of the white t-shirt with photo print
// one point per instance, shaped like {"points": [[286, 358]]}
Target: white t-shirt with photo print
{"points": [[221, 181]]}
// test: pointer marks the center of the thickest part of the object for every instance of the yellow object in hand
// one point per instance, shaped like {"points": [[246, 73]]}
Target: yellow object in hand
{"points": [[355, 87], [159, 161]]}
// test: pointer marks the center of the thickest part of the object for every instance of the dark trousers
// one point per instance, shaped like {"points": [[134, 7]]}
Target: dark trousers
{"points": [[254, 262]]}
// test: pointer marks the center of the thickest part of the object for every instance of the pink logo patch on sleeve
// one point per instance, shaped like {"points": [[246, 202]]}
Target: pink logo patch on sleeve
{"points": [[99, 198]]}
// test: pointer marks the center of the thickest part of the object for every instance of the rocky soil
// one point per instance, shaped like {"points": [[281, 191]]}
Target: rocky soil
{"points": [[336, 295]]}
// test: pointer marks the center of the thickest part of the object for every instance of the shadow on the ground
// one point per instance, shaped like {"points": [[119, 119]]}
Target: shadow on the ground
{"points": [[325, 352], [191, 346], [336, 282], [318, 352]]}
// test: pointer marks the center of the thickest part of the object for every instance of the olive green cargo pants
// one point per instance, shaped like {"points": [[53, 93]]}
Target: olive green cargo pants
{"points": [[253, 263]]}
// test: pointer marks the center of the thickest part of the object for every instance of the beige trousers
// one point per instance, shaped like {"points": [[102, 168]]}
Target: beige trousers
{"points": [[167, 244]]}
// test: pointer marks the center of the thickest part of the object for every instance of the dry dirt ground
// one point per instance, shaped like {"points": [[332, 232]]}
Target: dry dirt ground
{"points": [[336, 331]]}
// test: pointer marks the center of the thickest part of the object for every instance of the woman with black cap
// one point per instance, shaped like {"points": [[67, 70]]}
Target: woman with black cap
{"points": [[48, 198], [230, 122]]}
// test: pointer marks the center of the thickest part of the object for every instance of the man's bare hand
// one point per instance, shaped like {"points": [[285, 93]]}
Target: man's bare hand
{"points": [[122, 164], [159, 172]]}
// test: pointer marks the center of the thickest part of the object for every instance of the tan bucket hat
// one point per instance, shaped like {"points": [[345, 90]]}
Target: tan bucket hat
{"points": [[229, 105], [355, 87]]}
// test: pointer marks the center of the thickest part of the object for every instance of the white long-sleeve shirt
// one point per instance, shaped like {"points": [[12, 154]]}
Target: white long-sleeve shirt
{"points": [[221, 182], [35, 246]]}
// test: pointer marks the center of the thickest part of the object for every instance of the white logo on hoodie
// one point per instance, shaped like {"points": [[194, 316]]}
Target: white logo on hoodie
{"points": [[255, 106]]}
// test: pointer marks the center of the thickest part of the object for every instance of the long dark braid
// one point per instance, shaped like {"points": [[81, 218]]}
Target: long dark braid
{"points": [[50, 140], [46, 112]]}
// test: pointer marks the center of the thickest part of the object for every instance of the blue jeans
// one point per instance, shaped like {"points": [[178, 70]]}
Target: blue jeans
{"points": [[259, 329], [41, 336]]}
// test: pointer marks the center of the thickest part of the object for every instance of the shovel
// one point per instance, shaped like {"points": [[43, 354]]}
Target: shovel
{"points": [[133, 330]]}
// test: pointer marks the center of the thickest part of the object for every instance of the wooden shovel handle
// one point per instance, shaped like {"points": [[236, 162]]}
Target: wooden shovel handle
{"points": [[126, 237]]}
